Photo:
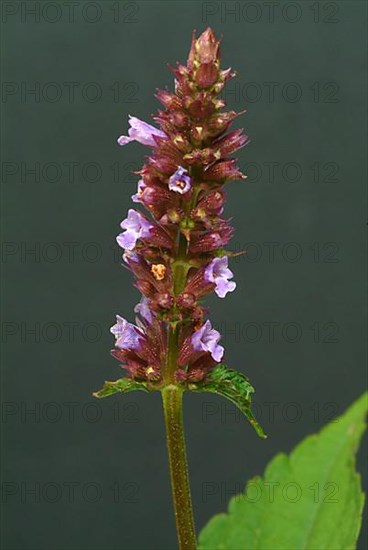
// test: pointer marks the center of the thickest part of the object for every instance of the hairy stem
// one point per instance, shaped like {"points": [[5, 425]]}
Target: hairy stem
{"points": [[172, 399], [172, 354]]}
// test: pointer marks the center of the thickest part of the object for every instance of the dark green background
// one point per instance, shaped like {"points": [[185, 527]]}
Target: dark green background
{"points": [[309, 380]]}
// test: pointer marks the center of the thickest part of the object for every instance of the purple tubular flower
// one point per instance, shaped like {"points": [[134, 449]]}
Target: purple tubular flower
{"points": [[129, 256], [206, 339], [127, 335], [137, 197], [217, 272], [144, 311], [180, 182], [142, 132], [136, 227]]}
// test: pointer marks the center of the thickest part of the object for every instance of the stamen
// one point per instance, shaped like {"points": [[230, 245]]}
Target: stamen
{"points": [[158, 271]]}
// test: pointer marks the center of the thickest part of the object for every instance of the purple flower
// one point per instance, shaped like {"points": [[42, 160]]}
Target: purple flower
{"points": [[136, 227], [144, 311], [217, 272], [206, 339], [142, 132], [138, 194], [132, 256], [180, 182], [126, 334]]}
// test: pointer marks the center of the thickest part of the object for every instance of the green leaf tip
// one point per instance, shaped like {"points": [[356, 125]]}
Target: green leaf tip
{"points": [[311, 498], [123, 385], [234, 386]]}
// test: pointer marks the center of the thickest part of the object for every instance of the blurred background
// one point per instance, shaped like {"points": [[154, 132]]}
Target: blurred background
{"points": [[85, 474]]}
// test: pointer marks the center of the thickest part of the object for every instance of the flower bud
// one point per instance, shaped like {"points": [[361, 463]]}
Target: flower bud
{"points": [[163, 165], [198, 287], [219, 123], [157, 200], [179, 119], [207, 48], [232, 142], [224, 170], [206, 75], [198, 370], [159, 237], [200, 107], [171, 101], [198, 133], [184, 86], [181, 143], [213, 202], [206, 243], [168, 148]]}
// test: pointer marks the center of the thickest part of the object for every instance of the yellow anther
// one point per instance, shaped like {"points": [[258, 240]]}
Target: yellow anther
{"points": [[158, 271]]}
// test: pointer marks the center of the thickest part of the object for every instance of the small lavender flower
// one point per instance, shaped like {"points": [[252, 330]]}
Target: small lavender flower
{"points": [[138, 195], [206, 339], [180, 182], [142, 132], [142, 308], [217, 272], [126, 334], [136, 227], [128, 255]]}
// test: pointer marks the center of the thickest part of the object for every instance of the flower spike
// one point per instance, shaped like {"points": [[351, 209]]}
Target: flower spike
{"points": [[176, 252]]}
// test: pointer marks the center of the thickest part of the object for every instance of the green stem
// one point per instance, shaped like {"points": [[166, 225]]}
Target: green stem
{"points": [[180, 266], [172, 399], [172, 355]]}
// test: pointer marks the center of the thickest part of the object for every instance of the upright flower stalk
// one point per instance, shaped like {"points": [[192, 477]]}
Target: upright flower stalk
{"points": [[177, 253]]}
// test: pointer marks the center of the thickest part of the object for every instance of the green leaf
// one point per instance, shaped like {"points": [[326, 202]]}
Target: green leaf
{"points": [[316, 501], [123, 385], [234, 386]]}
